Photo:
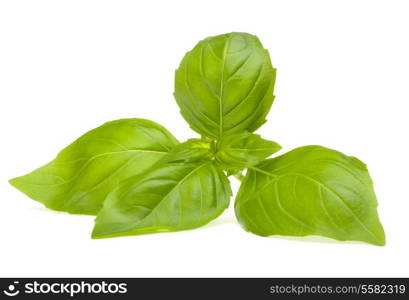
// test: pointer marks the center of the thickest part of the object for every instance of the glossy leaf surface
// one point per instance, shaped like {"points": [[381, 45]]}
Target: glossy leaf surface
{"points": [[311, 190], [80, 177], [225, 85], [243, 150], [184, 190]]}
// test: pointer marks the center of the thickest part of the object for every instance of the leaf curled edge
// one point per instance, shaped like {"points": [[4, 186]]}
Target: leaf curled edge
{"points": [[310, 190], [79, 178], [184, 190]]}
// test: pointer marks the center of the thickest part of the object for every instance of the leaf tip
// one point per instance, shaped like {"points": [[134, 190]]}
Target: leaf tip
{"points": [[15, 182], [377, 237], [96, 232], [380, 240]]}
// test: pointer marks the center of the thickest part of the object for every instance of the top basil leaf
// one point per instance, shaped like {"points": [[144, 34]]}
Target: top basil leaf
{"points": [[225, 85], [183, 190], [310, 190], [243, 150], [80, 177]]}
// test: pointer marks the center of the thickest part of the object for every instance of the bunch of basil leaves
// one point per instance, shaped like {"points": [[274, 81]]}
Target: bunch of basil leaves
{"points": [[137, 178]]}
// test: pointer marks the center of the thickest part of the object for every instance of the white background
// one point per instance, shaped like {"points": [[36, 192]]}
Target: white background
{"points": [[69, 66]]}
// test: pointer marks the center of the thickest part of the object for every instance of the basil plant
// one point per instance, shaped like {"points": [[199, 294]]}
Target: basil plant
{"points": [[137, 178]]}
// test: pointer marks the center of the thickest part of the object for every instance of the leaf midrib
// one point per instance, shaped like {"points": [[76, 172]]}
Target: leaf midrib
{"points": [[171, 191], [226, 48], [277, 177], [89, 160]]}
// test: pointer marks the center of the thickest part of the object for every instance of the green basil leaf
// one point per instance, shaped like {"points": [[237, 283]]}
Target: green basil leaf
{"points": [[225, 85], [80, 177], [244, 150], [311, 190], [184, 190]]}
